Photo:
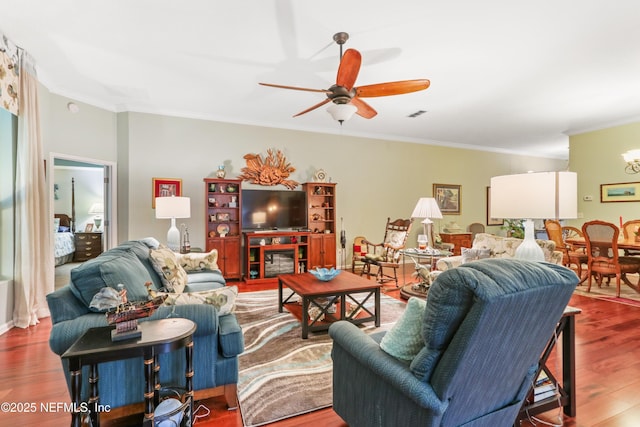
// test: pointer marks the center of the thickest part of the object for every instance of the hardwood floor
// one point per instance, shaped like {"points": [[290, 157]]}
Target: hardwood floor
{"points": [[607, 370]]}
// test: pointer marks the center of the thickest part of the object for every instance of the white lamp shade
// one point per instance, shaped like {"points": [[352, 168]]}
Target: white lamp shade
{"points": [[342, 112], [173, 207], [427, 207], [540, 195], [96, 208]]}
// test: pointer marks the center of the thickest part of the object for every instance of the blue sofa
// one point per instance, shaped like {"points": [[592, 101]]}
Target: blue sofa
{"points": [[477, 346], [218, 339]]}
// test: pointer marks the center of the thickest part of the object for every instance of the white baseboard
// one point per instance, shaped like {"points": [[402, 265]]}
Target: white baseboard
{"points": [[6, 327]]}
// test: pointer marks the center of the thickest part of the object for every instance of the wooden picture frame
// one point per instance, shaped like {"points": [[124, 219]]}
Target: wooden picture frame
{"points": [[620, 192], [449, 198], [490, 219], [88, 228], [222, 216], [165, 187]]}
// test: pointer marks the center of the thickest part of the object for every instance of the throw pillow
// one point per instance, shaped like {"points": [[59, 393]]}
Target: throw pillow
{"points": [[165, 262], [471, 254], [404, 340], [196, 262], [223, 299]]}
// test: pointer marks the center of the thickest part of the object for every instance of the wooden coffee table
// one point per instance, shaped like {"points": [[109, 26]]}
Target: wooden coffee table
{"points": [[323, 295]]}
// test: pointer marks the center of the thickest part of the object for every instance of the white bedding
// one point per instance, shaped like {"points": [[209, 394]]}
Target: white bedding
{"points": [[64, 248]]}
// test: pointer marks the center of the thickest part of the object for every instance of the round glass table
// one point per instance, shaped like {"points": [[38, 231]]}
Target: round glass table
{"points": [[425, 262]]}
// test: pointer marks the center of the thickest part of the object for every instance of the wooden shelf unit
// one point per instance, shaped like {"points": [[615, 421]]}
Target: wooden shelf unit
{"points": [[223, 214], [321, 220], [282, 252]]}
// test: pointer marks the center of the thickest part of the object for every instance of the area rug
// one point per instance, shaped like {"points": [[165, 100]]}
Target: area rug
{"points": [[606, 292], [281, 375]]}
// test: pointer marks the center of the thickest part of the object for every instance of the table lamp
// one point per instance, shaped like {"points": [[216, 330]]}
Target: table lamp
{"points": [[529, 196], [173, 207], [427, 208], [97, 209]]}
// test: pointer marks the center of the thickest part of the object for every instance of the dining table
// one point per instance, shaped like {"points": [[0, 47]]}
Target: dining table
{"points": [[629, 243]]}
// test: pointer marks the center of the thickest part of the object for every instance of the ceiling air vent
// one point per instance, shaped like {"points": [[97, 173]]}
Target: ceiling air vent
{"points": [[417, 113]]}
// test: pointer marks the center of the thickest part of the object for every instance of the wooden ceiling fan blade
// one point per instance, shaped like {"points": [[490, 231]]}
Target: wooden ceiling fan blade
{"points": [[295, 88], [319, 104], [364, 110], [392, 88], [349, 69]]}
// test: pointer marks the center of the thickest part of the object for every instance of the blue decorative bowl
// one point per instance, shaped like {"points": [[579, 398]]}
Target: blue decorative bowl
{"points": [[325, 274]]}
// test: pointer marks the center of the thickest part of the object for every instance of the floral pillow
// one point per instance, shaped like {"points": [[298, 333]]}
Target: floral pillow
{"points": [[223, 299], [166, 264], [196, 262], [474, 254]]}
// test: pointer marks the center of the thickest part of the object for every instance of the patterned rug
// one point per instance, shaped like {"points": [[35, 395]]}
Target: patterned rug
{"points": [[606, 292], [281, 375]]}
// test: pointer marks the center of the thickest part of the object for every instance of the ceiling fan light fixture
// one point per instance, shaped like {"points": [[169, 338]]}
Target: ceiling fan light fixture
{"points": [[342, 112], [632, 157]]}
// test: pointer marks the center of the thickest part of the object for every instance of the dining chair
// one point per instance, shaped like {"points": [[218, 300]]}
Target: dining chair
{"points": [[603, 255], [570, 256], [475, 228], [629, 230]]}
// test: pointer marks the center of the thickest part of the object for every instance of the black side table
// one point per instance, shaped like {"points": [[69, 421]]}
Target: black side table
{"points": [[158, 336]]}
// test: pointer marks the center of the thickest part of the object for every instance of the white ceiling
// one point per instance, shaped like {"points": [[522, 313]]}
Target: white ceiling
{"points": [[505, 75]]}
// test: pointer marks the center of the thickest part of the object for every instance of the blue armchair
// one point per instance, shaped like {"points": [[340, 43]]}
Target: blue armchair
{"points": [[484, 327]]}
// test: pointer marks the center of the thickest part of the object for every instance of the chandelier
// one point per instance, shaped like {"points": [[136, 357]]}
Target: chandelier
{"points": [[632, 157]]}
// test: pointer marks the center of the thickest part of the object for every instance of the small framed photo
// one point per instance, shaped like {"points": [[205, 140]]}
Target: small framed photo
{"points": [[490, 219], [165, 187], [222, 216], [88, 228], [449, 198], [621, 192]]}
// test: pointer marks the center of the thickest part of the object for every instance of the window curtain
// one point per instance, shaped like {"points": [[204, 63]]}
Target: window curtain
{"points": [[34, 264]]}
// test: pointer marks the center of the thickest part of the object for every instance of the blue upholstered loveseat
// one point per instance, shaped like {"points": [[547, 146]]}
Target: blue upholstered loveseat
{"points": [[478, 343], [218, 339]]}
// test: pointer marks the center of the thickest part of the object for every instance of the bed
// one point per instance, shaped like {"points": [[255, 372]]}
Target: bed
{"points": [[64, 246], [64, 227]]}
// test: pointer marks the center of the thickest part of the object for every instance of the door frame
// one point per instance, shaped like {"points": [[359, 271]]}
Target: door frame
{"points": [[110, 222]]}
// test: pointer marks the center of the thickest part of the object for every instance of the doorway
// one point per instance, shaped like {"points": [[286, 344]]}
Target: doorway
{"points": [[96, 183]]}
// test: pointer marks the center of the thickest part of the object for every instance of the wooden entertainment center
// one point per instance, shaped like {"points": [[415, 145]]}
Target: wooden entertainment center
{"points": [[259, 256]]}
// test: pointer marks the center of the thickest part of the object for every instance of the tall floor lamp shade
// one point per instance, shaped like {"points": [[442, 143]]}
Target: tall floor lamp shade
{"points": [[529, 196], [427, 208], [172, 208]]}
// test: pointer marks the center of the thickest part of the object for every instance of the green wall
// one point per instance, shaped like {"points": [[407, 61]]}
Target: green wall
{"points": [[597, 158], [376, 178]]}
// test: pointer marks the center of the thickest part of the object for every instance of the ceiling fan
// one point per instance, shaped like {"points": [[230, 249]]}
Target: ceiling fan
{"points": [[345, 96]]}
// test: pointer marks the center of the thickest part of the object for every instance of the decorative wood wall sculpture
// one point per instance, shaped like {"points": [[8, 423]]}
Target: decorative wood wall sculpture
{"points": [[273, 170]]}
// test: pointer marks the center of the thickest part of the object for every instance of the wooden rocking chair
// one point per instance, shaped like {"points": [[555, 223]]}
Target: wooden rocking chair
{"points": [[386, 255]]}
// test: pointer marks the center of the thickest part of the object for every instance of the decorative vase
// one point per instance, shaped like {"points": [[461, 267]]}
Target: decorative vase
{"points": [[221, 173]]}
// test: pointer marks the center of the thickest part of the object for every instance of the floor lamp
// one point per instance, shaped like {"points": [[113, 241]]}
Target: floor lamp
{"points": [[427, 208], [172, 208], [529, 196]]}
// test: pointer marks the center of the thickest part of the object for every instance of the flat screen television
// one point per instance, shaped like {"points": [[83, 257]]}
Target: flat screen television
{"points": [[274, 209]]}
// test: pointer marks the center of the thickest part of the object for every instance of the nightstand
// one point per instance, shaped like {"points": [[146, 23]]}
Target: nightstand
{"points": [[88, 245]]}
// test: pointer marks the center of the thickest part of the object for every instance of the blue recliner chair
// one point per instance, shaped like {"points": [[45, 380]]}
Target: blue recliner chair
{"points": [[484, 328]]}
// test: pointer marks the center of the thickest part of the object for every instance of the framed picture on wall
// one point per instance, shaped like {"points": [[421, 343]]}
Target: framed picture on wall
{"points": [[490, 219], [621, 192], [449, 198], [165, 187]]}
